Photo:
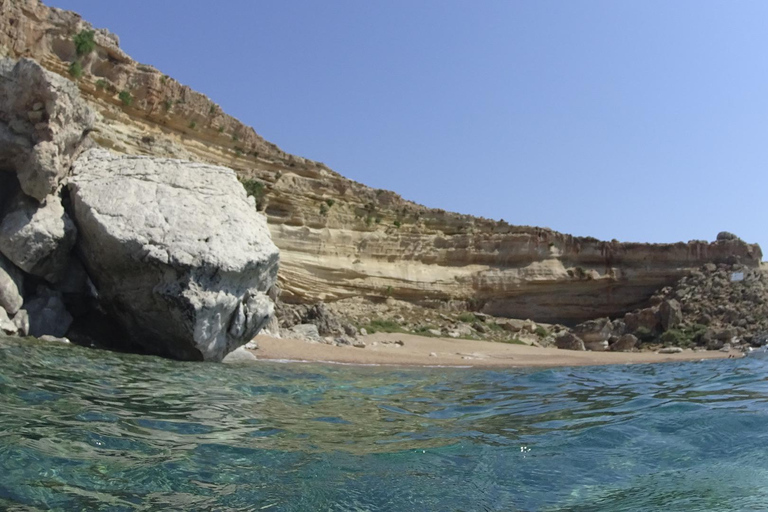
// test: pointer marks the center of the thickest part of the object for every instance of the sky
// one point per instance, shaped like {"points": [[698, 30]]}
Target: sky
{"points": [[643, 121]]}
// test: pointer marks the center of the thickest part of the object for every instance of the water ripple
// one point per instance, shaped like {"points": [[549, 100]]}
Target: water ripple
{"points": [[85, 429]]}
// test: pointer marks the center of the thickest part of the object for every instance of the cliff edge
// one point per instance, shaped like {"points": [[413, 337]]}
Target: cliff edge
{"points": [[341, 239]]}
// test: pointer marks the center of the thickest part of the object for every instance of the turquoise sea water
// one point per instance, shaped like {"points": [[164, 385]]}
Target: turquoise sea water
{"points": [[93, 430]]}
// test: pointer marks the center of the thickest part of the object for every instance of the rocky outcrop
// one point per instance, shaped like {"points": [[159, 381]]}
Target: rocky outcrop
{"points": [[340, 239], [38, 238], [569, 341], [11, 287], [625, 343], [42, 125], [176, 250], [712, 306]]}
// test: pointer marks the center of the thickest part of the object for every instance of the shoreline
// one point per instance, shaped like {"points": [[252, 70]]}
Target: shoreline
{"points": [[382, 349]]}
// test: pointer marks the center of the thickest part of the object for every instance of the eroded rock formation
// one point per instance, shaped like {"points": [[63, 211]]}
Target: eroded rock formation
{"points": [[338, 238], [176, 250], [173, 251]]}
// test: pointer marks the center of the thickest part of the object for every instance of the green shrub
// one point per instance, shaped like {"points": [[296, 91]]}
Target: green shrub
{"points": [[323, 209], [101, 84], [379, 325], [424, 329], [126, 98], [683, 337], [330, 202], [468, 317], [221, 129], [192, 125], [84, 43], [212, 110], [254, 188], [168, 104], [541, 332], [644, 334], [76, 69], [397, 223], [235, 137]]}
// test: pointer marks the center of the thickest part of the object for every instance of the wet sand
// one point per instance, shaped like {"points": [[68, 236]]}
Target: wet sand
{"points": [[381, 349]]}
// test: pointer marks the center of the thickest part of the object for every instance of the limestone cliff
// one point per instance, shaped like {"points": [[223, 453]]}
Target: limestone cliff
{"points": [[339, 238]]}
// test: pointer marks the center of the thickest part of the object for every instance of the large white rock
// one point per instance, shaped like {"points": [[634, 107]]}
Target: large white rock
{"points": [[176, 250], [38, 238], [43, 124]]}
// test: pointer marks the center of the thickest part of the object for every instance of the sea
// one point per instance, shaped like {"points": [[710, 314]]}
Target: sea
{"points": [[85, 429]]}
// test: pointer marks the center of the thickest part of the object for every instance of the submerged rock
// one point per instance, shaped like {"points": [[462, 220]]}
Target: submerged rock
{"points": [[176, 250]]}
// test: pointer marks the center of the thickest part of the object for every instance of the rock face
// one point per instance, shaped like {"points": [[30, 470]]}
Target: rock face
{"points": [[711, 307], [671, 314], [569, 341], [625, 343], [176, 250], [340, 239], [11, 287], [42, 125], [38, 237]]}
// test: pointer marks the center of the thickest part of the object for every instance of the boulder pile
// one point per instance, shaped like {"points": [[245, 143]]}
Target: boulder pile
{"points": [[172, 253], [714, 307]]}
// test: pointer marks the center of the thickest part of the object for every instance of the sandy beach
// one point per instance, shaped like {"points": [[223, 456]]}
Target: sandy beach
{"points": [[383, 349]]}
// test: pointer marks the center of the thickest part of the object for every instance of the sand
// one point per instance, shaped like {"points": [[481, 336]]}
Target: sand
{"points": [[425, 351]]}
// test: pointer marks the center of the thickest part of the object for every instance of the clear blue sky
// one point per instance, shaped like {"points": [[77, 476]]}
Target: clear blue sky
{"points": [[641, 121]]}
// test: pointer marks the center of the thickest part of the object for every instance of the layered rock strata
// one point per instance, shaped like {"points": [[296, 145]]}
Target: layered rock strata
{"points": [[338, 238]]}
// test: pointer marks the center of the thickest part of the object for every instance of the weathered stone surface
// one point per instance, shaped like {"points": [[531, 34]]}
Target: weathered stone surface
{"points": [[6, 324], [38, 238], [21, 320], [725, 235], [594, 331], [569, 341], [48, 314], [11, 286], [43, 123], [671, 314], [670, 350], [513, 271], [625, 343], [597, 346], [307, 332], [647, 318], [176, 250], [239, 355]]}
